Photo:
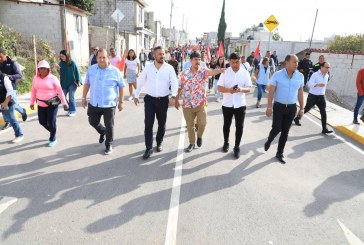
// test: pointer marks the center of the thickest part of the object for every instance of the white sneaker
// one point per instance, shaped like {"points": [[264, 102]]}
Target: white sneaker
{"points": [[18, 139], [218, 100], [266, 91], [72, 114], [130, 98]]}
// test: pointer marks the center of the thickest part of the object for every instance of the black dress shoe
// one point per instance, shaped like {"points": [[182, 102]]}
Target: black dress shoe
{"points": [[199, 142], [355, 121], [225, 147], [236, 152], [297, 121], [102, 138], [280, 158], [147, 153], [24, 116], [159, 147], [108, 150], [326, 131], [266, 146], [190, 148]]}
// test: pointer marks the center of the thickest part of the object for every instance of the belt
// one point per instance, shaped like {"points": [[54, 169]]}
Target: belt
{"points": [[157, 98], [285, 105]]}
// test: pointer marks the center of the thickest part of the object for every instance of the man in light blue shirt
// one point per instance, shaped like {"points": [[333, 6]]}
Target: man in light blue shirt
{"points": [[285, 87], [106, 92]]}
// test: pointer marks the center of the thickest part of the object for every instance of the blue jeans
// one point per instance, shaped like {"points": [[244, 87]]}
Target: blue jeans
{"points": [[10, 114], [142, 64], [16, 106], [217, 93], [359, 102], [261, 88], [71, 90]]}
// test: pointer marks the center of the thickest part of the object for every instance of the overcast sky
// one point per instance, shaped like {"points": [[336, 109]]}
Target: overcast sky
{"points": [[295, 17]]}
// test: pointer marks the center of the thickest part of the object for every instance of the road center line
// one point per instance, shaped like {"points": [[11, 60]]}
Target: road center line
{"points": [[340, 138], [6, 202], [350, 236], [171, 232]]}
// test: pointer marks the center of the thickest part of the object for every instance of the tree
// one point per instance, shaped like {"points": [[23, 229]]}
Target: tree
{"points": [[348, 43], [222, 25], [276, 36], [87, 5]]}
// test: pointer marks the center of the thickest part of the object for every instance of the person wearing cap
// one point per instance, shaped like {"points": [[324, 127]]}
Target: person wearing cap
{"points": [[11, 69], [92, 59], [7, 106], [285, 86], [44, 87], [173, 62], [106, 86], [70, 79], [193, 89]]}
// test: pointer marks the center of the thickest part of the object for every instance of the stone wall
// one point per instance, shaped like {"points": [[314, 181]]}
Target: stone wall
{"points": [[343, 71]]}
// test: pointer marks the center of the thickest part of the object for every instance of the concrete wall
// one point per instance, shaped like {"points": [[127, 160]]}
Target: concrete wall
{"points": [[21, 17], [343, 71], [47, 25], [104, 37], [282, 47]]}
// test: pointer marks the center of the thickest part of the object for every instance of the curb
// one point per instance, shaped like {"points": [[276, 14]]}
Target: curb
{"points": [[343, 129]]}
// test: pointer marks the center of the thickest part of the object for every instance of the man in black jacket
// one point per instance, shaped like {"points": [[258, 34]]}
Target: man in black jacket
{"points": [[11, 69], [305, 67]]}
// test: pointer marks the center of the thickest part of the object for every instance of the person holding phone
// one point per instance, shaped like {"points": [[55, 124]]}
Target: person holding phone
{"points": [[234, 84]]}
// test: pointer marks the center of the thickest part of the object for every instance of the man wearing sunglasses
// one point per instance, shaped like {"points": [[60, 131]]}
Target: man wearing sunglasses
{"points": [[316, 96]]}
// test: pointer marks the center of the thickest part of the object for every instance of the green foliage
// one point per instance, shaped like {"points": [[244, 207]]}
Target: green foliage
{"points": [[87, 5], [347, 43], [253, 28], [276, 36], [222, 26], [23, 52]]}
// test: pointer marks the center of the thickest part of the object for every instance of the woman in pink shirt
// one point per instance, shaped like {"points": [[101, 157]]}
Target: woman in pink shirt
{"points": [[44, 87]]}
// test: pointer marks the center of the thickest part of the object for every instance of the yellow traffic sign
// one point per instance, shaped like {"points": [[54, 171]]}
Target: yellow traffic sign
{"points": [[271, 23]]}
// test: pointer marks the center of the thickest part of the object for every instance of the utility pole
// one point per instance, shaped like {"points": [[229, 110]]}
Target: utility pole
{"points": [[313, 29], [170, 24], [66, 46]]}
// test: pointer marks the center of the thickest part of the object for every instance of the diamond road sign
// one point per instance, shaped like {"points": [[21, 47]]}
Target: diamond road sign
{"points": [[271, 23], [117, 16]]}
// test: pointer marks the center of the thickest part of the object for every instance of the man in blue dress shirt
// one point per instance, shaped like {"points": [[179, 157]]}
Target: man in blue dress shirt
{"points": [[285, 86], [106, 92]]}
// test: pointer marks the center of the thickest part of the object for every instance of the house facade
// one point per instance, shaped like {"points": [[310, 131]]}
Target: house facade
{"points": [[45, 20]]}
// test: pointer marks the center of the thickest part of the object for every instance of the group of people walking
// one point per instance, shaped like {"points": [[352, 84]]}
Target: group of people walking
{"points": [[105, 84]]}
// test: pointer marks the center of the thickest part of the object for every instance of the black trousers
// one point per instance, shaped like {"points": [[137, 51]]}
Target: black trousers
{"points": [[47, 117], [94, 117], [155, 107], [283, 116], [239, 115], [320, 101]]}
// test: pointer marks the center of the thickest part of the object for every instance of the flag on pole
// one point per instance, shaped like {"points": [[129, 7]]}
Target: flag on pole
{"points": [[122, 62], [257, 51], [221, 49], [208, 54]]}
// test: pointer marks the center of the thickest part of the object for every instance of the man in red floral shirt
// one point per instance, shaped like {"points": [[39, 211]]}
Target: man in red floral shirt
{"points": [[193, 88]]}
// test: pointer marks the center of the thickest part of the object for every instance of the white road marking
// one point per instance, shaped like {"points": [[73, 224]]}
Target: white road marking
{"points": [[352, 239], [6, 202], [171, 233], [340, 138]]}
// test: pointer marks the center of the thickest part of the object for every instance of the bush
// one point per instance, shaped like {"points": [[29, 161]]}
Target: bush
{"points": [[348, 43], [22, 51]]}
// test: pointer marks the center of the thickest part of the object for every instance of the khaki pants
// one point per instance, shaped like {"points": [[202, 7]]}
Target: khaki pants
{"points": [[190, 114]]}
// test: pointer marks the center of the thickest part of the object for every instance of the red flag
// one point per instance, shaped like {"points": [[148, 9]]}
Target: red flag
{"points": [[221, 49], [122, 62], [208, 54], [257, 51]]}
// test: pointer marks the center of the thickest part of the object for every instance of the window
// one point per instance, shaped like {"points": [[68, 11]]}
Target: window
{"points": [[140, 15], [79, 27]]}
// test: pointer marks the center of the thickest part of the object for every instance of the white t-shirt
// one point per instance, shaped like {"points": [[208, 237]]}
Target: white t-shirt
{"points": [[229, 79], [132, 64], [246, 66]]}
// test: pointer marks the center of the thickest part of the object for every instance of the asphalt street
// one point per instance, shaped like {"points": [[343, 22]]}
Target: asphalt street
{"points": [[74, 194]]}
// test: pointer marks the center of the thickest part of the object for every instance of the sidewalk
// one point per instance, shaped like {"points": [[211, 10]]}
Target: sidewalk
{"points": [[338, 117]]}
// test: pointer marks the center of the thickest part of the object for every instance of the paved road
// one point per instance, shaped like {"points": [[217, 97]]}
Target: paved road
{"points": [[74, 194]]}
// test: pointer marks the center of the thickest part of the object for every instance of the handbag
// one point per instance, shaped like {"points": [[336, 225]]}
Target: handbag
{"points": [[54, 101]]}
